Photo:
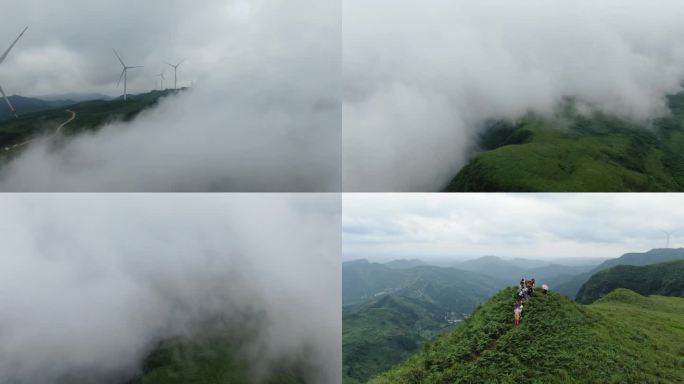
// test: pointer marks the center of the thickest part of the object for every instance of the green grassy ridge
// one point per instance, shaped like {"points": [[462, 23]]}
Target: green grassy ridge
{"points": [[576, 153], [665, 279], [212, 361], [90, 115], [383, 332], [622, 338], [570, 287]]}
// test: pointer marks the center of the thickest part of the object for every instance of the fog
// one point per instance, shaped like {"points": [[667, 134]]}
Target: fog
{"points": [[421, 77], [264, 114], [90, 283]]}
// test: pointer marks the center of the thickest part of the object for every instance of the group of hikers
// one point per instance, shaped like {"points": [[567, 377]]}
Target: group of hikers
{"points": [[526, 291]]}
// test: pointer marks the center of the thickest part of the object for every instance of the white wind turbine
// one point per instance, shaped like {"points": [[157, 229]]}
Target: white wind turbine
{"points": [[175, 73], [161, 80], [2, 58], [124, 74]]}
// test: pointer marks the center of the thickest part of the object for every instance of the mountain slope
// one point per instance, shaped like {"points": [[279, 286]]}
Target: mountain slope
{"points": [[576, 152], [622, 338], [389, 313], [24, 105], [571, 287], [90, 115], [665, 279]]}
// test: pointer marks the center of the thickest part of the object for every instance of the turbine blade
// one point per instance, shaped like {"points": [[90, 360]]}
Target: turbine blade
{"points": [[8, 102], [4, 55], [180, 62], [137, 66], [118, 57], [169, 64], [121, 77]]}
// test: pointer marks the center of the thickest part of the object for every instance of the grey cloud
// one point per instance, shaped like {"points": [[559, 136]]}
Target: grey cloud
{"points": [[89, 284]]}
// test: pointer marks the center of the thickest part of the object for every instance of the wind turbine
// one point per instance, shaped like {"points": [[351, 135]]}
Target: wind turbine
{"points": [[124, 74], [175, 74], [667, 234], [2, 58], [161, 81]]}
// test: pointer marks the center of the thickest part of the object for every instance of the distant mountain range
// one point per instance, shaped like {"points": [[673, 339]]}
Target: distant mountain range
{"points": [[665, 279]]}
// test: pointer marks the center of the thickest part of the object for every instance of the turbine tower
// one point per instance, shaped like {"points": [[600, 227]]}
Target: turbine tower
{"points": [[667, 236], [161, 80], [175, 73], [2, 58], [124, 74]]}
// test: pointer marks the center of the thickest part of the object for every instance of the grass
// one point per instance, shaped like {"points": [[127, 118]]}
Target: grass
{"points": [[573, 152], [622, 338]]}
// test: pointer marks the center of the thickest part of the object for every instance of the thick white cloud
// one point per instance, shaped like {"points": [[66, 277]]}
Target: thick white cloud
{"points": [[265, 114], [89, 283], [548, 227], [421, 77]]}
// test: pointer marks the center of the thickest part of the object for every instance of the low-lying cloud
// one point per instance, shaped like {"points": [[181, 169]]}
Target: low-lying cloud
{"points": [[420, 78], [89, 284]]}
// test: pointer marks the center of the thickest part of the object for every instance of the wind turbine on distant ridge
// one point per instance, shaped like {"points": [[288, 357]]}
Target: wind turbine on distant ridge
{"points": [[175, 73], [667, 234], [161, 80], [2, 58], [124, 74]]}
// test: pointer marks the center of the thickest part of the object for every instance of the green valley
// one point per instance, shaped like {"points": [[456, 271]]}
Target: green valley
{"points": [[390, 312]]}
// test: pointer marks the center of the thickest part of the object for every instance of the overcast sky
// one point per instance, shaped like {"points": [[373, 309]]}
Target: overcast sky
{"points": [[546, 226], [420, 77], [89, 283]]}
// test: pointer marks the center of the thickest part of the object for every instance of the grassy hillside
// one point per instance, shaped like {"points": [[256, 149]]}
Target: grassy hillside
{"points": [[665, 279], [576, 152], [90, 115], [572, 286], [206, 362], [622, 338]]}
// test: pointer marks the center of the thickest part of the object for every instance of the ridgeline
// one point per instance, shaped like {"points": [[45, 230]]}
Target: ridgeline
{"points": [[665, 279], [621, 338]]}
